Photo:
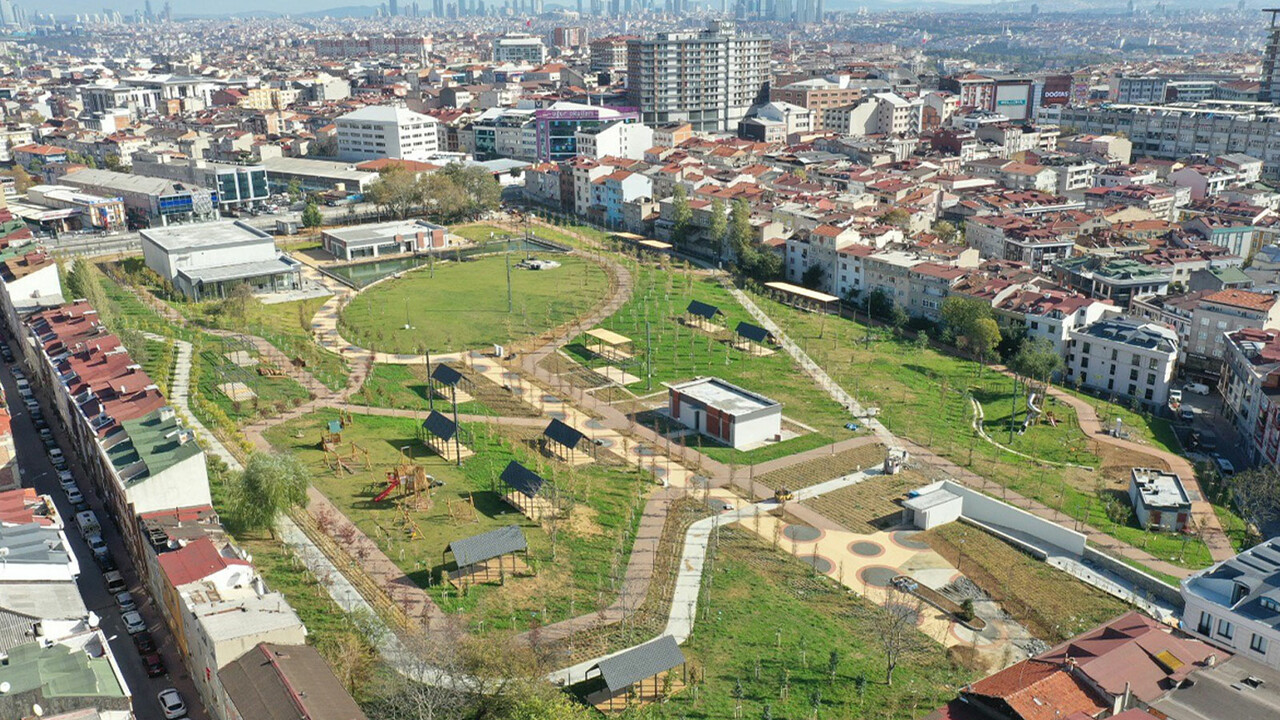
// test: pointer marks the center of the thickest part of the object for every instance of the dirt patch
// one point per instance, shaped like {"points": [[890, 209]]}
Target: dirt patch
{"points": [[822, 469], [870, 505], [583, 521]]}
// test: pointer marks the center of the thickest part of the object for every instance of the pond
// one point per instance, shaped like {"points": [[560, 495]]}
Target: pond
{"points": [[361, 274]]}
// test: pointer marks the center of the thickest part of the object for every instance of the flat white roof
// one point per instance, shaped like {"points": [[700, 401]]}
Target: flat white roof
{"points": [[931, 499], [1160, 489], [723, 395], [381, 232], [205, 235]]}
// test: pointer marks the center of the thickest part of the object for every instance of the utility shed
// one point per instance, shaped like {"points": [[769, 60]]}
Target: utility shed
{"points": [[1159, 500], [640, 667], [931, 509], [723, 411]]}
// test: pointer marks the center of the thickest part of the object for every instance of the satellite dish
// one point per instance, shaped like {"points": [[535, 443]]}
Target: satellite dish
{"points": [[4, 687], [37, 710]]}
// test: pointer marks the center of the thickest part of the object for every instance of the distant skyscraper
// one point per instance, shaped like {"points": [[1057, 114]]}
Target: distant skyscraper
{"points": [[168, 12], [150, 16], [1270, 90], [394, 8]]}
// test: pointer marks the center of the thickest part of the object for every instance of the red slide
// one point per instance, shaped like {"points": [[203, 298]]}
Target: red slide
{"points": [[395, 483]]}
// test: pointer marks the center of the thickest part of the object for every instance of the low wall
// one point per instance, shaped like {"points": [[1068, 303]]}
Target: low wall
{"points": [[1147, 583], [990, 511]]}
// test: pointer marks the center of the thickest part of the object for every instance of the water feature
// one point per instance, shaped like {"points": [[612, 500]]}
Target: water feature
{"points": [[361, 274]]}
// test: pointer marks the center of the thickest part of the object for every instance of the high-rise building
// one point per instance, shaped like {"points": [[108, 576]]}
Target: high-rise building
{"points": [[394, 7], [1270, 90], [708, 79]]}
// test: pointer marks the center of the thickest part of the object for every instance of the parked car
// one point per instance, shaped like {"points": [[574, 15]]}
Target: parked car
{"points": [[56, 455], [1175, 396], [67, 481], [133, 622], [106, 563], [88, 523], [1187, 414], [153, 664], [74, 496], [172, 704], [97, 544], [126, 602], [1197, 388], [1224, 466], [115, 582], [144, 643]]}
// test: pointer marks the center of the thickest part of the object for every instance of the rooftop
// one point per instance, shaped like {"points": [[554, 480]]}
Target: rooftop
{"points": [[286, 682], [1147, 336], [205, 236], [1160, 490], [723, 395], [381, 232], [1248, 584]]}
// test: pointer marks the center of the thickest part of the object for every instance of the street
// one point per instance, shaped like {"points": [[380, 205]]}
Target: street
{"points": [[38, 472]]}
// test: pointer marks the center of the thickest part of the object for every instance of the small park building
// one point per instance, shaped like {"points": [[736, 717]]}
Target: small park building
{"points": [[721, 410], [1159, 500], [204, 262], [388, 238]]}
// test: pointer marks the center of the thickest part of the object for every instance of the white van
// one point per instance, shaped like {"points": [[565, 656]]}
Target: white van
{"points": [[88, 523], [1197, 388]]}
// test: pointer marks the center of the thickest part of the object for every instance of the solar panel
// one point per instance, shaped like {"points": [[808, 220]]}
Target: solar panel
{"points": [[754, 333], [522, 479], [440, 426], [703, 310], [446, 375], [486, 546], [563, 434]]}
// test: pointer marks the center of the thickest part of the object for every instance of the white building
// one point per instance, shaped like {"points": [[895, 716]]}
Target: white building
{"points": [[1123, 358], [206, 261], [723, 411], [519, 48], [881, 114], [385, 131], [616, 139], [1235, 604], [1159, 499]]}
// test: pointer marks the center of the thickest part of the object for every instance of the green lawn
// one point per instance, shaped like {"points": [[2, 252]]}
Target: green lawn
{"points": [[771, 620], [461, 306], [273, 394], [596, 538], [678, 352], [921, 394], [405, 387]]}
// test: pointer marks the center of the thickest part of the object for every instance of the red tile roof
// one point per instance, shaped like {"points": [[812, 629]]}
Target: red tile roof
{"points": [[194, 562]]}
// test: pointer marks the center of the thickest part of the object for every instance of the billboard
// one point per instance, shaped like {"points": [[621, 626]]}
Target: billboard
{"points": [[1056, 90], [1014, 100]]}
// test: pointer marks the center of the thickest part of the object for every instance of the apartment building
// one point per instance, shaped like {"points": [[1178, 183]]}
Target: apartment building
{"points": [[1021, 238], [385, 131], [708, 79], [1116, 279], [1051, 314], [1218, 313], [519, 48], [1235, 604], [1250, 388], [609, 54], [1123, 359]]}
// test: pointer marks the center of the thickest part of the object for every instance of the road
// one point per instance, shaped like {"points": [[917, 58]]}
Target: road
{"points": [[129, 243], [39, 473]]}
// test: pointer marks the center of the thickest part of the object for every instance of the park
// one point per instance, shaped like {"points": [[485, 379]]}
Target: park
{"points": [[546, 493]]}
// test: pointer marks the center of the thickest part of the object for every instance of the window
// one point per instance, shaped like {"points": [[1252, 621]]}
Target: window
{"points": [[1151, 378], [1133, 374], [1258, 644], [1114, 355], [1152, 363], [1224, 629]]}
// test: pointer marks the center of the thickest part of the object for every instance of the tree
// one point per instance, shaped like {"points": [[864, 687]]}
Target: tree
{"points": [[84, 283], [813, 276], [895, 631], [898, 318], [982, 339], [681, 215], [21, 179], [395, 191], [294, 190], [269, 485], [718, 231], [113, 162], [879, 304], [945, 231], [237, 302], [740, 225], [1258, 491], [481, 191], [311, 216], [1036, 359], [896, 217], [833, 663]]}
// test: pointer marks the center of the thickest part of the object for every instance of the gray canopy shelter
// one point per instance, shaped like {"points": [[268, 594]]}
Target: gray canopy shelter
{"points": [[472, 555], [633, 667], [525, 483], [564, 436]]}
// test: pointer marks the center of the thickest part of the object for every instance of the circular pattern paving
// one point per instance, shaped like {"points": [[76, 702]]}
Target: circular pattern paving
{"points": [[603, 442], [550, 399], [594, 424], [907, 539], [479, 367], [866, 548], [877, 575], [801, 533], [557, 414], [905, 612], [818, 562], [516, 390], [509, 375], [645, 451]]}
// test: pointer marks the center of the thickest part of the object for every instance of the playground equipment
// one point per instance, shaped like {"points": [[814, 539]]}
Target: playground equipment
{"points": [[462, 511], [338, 462], [269, 370], [894, 461], [783, 495], [410, 478], [330, 440], [1033, 412]]}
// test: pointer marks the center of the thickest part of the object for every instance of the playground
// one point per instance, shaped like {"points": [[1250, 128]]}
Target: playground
{"points": [[450, 306], [414, 504]]}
